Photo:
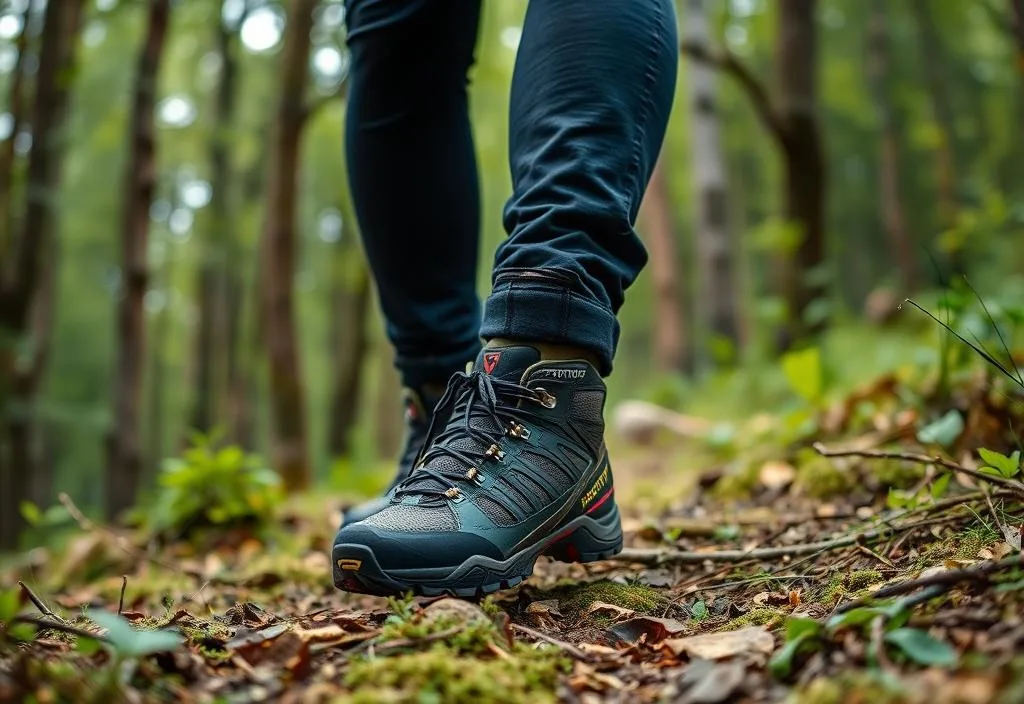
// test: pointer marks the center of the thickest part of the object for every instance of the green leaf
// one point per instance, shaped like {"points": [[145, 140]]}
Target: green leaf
{"points": [[852, 618], [10, 604], [781, 663], [87, 646], [803, 372], [940, 485], [1005, 466], [128, 642], [797, 626], [30, 512], [22, 631], [699, 610], [729, 532], [943, 431], [922, 648]]}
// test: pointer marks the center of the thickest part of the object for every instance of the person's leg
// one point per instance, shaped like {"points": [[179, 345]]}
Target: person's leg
{"points": [[413, 179], [413, 176], [591, 95], [520, 468]]}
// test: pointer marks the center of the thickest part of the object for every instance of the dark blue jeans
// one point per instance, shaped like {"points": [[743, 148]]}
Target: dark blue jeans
{"points": [[591, 95]]}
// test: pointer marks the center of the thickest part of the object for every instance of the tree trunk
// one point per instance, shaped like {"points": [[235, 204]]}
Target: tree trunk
{"points": [[1017, 11], [890, 196], [125, 446], [936, 80], [212, 384], [350, 308], [288, 411], [671, 351], [27, 276], [17, 106], [804, 190], [717, 300]]}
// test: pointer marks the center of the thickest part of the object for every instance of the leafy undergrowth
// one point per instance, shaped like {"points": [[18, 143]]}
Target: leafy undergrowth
{"points": [[865, 551]]}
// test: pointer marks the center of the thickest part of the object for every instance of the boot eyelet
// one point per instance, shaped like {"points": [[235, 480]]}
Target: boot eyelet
{"points": [[455, 495], [495, 453], [518, 430], [546, 399], [476, 476]]}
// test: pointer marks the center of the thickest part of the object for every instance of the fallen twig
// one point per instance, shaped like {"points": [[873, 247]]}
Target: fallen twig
{"points": [[567, 647], [120, 602], [39, 603], [429, 638], [947, 578], [657, 557], [48, 625], [924, 459]]}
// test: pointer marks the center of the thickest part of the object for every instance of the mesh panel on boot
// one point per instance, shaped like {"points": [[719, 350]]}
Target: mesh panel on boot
{"points": [[586, 416], [500, 515], [410, 518]]}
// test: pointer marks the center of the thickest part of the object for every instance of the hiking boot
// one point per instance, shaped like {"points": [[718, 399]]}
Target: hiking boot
{"points": [[419, 410], [515, 468]]}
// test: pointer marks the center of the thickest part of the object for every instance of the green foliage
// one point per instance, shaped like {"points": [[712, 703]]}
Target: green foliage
{"points": [[943, 431], [804, 373], [210, 486], [699, 611], [1007, 466], [801, 636], [922, 648]]}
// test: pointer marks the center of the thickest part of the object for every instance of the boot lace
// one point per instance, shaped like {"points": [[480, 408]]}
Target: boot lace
{"points": [[480, 407]]}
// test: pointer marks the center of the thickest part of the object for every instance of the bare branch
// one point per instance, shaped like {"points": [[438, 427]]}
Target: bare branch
{"points": [[924, 459], [728, 62]]}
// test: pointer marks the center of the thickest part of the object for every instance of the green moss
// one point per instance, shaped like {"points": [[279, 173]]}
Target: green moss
{"points": [[638, 597], [833, 591], [436, 675], [738, 483], [820, 478], [761, 616], [859, 579], [841, 584], [850, 686], [897, 473], [819, 691]]}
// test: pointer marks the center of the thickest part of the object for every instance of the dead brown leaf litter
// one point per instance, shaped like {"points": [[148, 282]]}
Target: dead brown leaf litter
{"points": [[789, 590]]}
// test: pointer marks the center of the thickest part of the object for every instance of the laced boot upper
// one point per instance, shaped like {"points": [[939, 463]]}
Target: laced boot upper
{"points": [[419, 411], [516, 449]]}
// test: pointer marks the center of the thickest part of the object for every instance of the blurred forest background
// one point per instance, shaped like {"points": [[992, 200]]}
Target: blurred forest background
{"points": [[179, 254]]}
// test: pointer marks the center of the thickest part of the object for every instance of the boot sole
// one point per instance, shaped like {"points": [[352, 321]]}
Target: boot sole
{"points": [[583, 539]]}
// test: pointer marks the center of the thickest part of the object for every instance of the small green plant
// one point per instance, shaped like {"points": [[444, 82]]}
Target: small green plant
{"points": [[805, 635], [211, 486], [1000, 465]]}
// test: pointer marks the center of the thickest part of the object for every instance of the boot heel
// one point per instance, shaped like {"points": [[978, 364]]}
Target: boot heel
{"points": [[596, 539]]}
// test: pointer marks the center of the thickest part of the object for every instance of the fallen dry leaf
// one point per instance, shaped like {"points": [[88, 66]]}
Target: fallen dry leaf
{"points": [[649, 628], [714, 684], [716, 646], [599, 607]]}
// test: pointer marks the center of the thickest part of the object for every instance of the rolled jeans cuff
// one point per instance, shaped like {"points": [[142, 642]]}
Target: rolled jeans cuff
{"points": [[541, 312]]}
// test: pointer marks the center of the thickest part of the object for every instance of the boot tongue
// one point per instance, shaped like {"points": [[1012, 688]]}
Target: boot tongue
{"points": [[507, 363]]}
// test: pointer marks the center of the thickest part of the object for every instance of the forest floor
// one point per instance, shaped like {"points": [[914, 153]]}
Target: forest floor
{"points": [[757, 570]]}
